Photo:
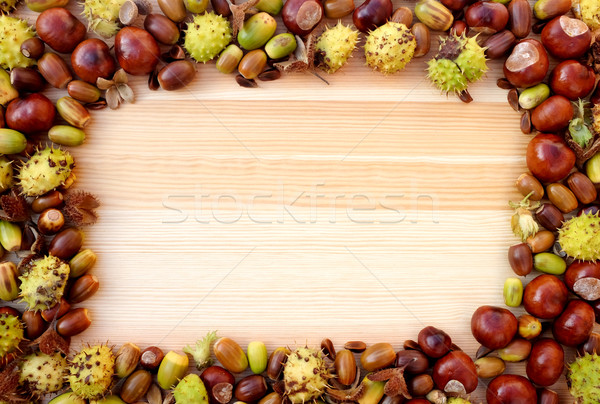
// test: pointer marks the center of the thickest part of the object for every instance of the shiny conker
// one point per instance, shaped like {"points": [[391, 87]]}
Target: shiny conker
{"points": [[546, 362], [572, 79], [60, 29], [527, 64], [549, 158], [583, 278], [511, 389], [574, 326], [213, 375], [552, 115], [566, 38], [457, 366], [434, 342], [302, 16], [371, 14], [137, 51], [493, 327], [545, 296], [30, 114], [92, 59], [487, 17]]}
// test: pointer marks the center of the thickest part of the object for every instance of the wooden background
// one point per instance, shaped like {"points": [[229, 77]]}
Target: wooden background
{"points": [[364, 209]]}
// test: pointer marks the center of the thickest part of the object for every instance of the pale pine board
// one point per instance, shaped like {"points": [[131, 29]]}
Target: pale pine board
{"points": [[329, 265]]}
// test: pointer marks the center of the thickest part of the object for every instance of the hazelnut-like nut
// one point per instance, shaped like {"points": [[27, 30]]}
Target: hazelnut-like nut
{"points": [[151, 358]]}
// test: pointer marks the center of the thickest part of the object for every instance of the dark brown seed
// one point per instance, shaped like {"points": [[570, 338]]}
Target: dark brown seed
{"points": [[244, 82], [526, 122], [153, 83], [420, 385], [177, 53], [504, 84], [34, 324], [26, 80], [355, 346], [482, 351], [53, 199], [465, 96], [151, 357], [328, 348], [513, 99], [414, 362], [33, 48], [538, 27], [57, 311], [269, 75], [74, 322]]}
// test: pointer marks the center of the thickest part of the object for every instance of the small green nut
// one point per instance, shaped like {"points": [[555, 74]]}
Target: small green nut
{"points": [[172, 368], [257, 31], [229, 59], [41, 5], [513, 292], [11, 141], [257, 357], [549, 263], [534, 96], [272, 7], [82, 262], [108, 400], [67, 398], [9, 276], [66, 135], [592, 168], [374, 392], [505, 2], [10, 236], [7, 91], [281, 45], [196, 6]]}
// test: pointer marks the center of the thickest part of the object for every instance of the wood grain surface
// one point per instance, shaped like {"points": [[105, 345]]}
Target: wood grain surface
{"points": [[363, 209]]}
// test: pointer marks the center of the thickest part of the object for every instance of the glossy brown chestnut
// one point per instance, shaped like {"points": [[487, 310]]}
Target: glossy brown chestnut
{"points": [[520, 18], [371, 14], [74, 322], [151, 358], [420, 385], [414, 362], [26, 80], [583, 279], [137, 51], [546, 396], [60, 29], [493, 327], [176, 75], [31, 114], [83, 288], [520, 259], [162, 29], [434, 342], [92, 59], [591, 346], [34, 324], [457, 366], [572, 79], [66, 243], [499, 44], [549, 158], [546, 362], [582, 187], [56, 311], [460, 27], [552, 115], [301, 16], [251, 388], [527, 64], [511, 389], [566, 38], [545, 296], [221, 7], [486, 17], [549, 216], [33, 48], [455, 5], [214, 375], [574, 326]]}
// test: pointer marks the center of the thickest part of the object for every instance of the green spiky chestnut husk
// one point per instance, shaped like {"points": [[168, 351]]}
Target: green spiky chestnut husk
{"points": [[305, 375], [103, 16], [206, 36], [190, 390], [11, 334], [390, 47], [579, 237], [43, 374], [44, 171], [583, 378], [459, 61], [335, 45], [43, 283], [6, 6], [13, 32], [91, 372]]}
